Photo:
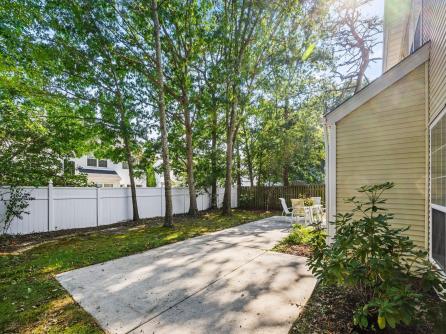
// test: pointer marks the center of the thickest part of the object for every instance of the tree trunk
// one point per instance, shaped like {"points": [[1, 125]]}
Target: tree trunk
{"points": [[286, 161], [248, 159], [128, 153], [168, 218], [214, 161], [228, 180], [239, 166], [230, 132], [193, 208], [132, 179], [259, 173]]}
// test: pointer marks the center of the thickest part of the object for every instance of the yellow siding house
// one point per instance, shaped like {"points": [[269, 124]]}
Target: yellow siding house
{"points": [[394, 129]]}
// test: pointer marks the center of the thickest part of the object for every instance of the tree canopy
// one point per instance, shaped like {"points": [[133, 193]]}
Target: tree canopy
{"points": [[224, 91]]}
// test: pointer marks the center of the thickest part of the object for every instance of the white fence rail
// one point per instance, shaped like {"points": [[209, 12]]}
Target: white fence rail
{"points": [[63, 208]]}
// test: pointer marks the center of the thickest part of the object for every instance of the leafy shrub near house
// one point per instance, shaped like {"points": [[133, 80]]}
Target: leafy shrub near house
{"points": [[391, 275]]}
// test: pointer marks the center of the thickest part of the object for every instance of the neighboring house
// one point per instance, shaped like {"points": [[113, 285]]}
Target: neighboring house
{"points": [[106, 173], [395, 128]]}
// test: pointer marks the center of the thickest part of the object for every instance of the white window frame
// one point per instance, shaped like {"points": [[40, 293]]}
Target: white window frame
{"points": [[433, 206], [92, 158], [106, 163]]}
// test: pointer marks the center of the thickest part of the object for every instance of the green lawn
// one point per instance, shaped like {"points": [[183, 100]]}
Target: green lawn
{"points": [[33, 301]]}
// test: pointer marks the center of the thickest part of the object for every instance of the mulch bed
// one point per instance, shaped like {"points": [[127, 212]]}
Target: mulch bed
{"points": [[299, 250], [330, 311]]}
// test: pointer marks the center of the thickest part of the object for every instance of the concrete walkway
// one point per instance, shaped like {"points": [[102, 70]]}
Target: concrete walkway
{"points": [[224, 282]]}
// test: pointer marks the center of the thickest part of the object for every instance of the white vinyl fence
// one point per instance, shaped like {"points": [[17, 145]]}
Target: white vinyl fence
{"points": [[63, 208]]}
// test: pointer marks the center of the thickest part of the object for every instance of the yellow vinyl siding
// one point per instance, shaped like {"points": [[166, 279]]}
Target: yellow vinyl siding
{"points": [[434, 30], [396, 13], [385, 140]]}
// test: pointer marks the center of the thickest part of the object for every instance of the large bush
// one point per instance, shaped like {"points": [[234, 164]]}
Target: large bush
{"points": [[391, 275]]}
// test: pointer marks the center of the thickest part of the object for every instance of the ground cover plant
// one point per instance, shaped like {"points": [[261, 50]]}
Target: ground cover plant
{"points": [[298, 241], [33, 301]]}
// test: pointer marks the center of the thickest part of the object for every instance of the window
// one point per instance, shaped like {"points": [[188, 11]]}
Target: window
{"points": [[108, 185], [125, 165], [438, 191], [102, 163], [92, 162]]}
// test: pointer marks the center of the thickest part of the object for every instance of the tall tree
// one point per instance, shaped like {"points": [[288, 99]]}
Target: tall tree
{"points": [[168, 218], [184, 26], [240, 20], [90, 71]]}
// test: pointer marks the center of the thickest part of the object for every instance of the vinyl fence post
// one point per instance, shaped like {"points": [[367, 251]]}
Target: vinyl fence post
{"points": [[50, 206], [98, 207], [161, 199]]}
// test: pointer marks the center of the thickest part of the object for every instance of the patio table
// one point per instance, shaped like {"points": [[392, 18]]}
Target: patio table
{"points": [[307, 209]]}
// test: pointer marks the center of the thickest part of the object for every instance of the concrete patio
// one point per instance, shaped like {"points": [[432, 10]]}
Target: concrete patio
{"points": [[224, 282]]}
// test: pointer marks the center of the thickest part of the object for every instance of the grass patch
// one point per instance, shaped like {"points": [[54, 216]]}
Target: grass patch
{"points": [[31, 299]]}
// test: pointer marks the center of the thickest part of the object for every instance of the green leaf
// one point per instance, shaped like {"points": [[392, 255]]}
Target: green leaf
{"points": [[308, 52], [381, 322]]}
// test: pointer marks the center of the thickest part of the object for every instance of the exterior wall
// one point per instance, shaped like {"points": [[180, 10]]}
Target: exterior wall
{"points": [[385, 140], [399, 27], [395, 22], [434, 30], [410, 27]]}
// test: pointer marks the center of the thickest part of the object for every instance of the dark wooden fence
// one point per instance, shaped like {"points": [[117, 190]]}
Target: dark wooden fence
{"points": [[267, 198]]}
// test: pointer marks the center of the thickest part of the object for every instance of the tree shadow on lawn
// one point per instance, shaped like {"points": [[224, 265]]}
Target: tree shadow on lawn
{"points": [[33, 301]]}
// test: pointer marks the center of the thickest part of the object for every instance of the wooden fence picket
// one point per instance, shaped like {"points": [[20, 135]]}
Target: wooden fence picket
{"points": [[267, 198]]}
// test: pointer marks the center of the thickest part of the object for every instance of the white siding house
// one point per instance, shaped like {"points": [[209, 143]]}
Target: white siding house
{"points": [[106, 173]]}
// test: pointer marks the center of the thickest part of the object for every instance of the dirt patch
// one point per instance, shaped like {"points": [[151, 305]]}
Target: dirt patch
{"points": [[299, 250]]}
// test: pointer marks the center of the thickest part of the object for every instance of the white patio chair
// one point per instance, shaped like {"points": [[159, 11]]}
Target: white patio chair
{"points": [[285, 209], [317, 207], [300, 210]]}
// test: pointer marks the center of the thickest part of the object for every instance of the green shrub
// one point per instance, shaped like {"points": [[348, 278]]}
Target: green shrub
{"points": [[392, 276], [300, 235]]}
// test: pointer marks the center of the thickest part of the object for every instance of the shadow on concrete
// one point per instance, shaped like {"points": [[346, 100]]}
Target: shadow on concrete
{"points": [[224, 282]]}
